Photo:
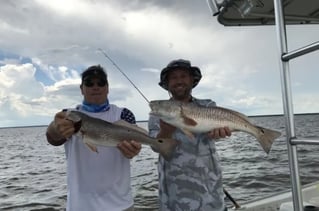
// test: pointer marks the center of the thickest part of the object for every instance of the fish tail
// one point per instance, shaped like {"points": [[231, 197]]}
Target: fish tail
{"points": [[166, 147], [266, 138]]}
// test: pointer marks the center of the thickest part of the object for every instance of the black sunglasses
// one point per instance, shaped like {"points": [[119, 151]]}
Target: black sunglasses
{"points": [[90, 83]]}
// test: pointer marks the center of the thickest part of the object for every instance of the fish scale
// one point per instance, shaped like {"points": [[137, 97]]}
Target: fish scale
{"points": [[212, 118]]}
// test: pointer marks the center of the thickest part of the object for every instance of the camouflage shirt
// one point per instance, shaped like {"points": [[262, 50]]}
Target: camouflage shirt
{"points": [[192, 179]]}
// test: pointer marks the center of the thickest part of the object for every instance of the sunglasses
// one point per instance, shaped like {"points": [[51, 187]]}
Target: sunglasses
{"points": [[90, 83]]}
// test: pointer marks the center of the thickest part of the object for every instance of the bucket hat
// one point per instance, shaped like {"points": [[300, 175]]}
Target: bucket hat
{"points": [[181, 64]]}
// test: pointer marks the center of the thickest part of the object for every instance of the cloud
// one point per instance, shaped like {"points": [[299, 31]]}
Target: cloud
{"points": [[19, 90], [44, 46]]}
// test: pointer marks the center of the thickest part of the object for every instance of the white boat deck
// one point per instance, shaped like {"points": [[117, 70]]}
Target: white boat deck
{"points": [[283, 200]]}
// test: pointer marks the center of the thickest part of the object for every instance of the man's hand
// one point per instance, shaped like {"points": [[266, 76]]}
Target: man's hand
{"points": [[63, 126], [219, 133], [129, 148]]}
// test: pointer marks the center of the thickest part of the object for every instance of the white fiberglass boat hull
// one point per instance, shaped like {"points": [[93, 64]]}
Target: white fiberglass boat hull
{"points": [[283, 200]]}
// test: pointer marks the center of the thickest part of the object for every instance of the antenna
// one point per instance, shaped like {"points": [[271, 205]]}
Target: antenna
{"points": [[118, 68]]}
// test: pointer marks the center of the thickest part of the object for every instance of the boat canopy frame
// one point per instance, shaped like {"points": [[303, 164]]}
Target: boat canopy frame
{"points": [[279, 13]]}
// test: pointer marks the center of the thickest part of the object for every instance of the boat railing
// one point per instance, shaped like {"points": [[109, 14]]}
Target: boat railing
{"points": [[297, 141], [219, 7], [301, 51]]}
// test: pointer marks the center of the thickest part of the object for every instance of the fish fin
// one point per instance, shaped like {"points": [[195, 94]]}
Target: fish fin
{"points": [[124, 123], [92, 147], [121, 122], [188, 134], [235, 113], [187, 120], [267, 137], [88, 144]]}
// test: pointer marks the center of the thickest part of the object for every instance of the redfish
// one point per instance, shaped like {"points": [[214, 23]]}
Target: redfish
{"points": [[192, 118], [96, 131]]}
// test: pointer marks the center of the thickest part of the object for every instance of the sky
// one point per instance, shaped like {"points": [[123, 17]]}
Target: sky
{"points": [[45, 45]]}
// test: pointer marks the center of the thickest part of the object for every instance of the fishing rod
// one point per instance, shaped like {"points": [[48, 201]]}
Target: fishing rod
{"points": [[231, 198], [118, 68]]}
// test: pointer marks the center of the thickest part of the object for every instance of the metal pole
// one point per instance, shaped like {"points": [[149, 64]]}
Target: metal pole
{"points": [[301, 51], [305, 141], [288, 106]]}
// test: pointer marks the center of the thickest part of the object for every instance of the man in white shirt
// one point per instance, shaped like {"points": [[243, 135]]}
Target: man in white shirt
{"points": [[95, 181]]}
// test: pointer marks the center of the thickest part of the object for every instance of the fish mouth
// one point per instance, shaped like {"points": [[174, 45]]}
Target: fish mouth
{"points": [[154, 113], [152, 105], [73, 116], [77, 126], [75, 119]]}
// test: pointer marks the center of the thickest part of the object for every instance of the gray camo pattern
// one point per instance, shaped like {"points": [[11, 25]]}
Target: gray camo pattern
{"points": [[192, 180]]}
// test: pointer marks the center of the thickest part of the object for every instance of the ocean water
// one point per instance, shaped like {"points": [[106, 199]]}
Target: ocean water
{"points": [[33, 177]]}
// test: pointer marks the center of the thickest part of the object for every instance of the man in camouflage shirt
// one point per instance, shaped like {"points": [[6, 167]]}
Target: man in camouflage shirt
{"points": [[192, 179]]}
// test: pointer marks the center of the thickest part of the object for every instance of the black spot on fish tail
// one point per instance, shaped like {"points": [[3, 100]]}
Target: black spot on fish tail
{"points": [[267, 137], [166, 147]]}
